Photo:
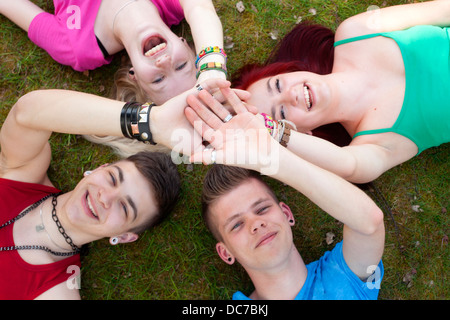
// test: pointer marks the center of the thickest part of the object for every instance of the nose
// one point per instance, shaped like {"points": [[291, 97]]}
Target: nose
{"points": [[106, 196], [257, 225], [289, 97], [164, 61]]}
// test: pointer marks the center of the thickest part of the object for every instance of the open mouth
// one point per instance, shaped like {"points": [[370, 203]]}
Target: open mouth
{"points": [[308, 97], [90, 206], [154, 45]]}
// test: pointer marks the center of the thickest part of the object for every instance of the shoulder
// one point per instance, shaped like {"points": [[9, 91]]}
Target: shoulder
{"points": [[358, 25], [60, 292]]}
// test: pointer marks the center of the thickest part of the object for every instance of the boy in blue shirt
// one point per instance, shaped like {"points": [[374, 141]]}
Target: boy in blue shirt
{"points": [[254, 228]]}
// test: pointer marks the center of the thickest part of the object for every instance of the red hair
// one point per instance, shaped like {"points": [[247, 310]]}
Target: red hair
{"points": [[307, 47]]}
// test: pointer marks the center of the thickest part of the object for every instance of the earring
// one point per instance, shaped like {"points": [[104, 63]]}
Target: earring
{"points": [[229, 259], [86, 173], [114, 241], [131, 72], [291, 221]]}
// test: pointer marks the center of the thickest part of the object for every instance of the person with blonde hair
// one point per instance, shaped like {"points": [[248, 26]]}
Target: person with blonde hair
{"points": [[86, 34]]}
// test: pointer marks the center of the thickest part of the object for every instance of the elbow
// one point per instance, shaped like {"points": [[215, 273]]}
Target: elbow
{"points": [[354, 171], [349, 169], [27, 107], [374, 221], [21, 110]]}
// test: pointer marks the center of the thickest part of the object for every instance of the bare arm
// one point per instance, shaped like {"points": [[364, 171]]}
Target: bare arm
{"points": [[396, 18], [25, 151], [60, 292], [364, 160], [206, 29], [21, 12]]}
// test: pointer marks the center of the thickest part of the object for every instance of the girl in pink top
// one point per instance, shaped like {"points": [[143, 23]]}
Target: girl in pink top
{"points": [[85, 35]]}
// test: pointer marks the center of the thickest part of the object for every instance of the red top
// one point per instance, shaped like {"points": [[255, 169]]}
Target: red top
{"points": [[20, 280]]}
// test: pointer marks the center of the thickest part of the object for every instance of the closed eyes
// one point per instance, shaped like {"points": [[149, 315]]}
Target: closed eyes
{"points": [[162, 77]]}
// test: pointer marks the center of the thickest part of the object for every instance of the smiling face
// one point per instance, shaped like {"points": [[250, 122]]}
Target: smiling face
{"points": [[255, 228], [110, 201], [300, 97], [164, 66]]}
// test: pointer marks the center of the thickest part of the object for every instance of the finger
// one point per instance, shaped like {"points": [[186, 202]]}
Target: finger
{"points": [[199, 125], [242, 94], [252, 108], [233, 99], [214, 83], [207, 156], [214, 105], [209, 117]]}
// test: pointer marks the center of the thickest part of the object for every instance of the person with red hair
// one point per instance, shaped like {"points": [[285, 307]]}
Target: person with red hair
{"points": [[383, 76]]}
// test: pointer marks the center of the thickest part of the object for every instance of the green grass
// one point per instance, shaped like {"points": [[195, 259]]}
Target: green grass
{"points": [[177, 259]]}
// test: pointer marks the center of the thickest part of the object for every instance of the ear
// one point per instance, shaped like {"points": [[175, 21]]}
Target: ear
{"points": [[288, 213], [224, 254], [126, 237], [132, 74]]}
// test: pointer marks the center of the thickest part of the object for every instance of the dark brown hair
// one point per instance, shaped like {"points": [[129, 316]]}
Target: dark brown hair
{"points": [[162, 175], [219, 181]]}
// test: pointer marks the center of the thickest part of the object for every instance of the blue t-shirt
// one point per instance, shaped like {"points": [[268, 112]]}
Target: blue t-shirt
{"points": [[329, 278]]}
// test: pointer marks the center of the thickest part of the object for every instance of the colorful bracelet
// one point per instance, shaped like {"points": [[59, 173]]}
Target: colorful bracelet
{"points": [[135, 121], [271, 125], [210, 50], [279, 130], [212, 66]]}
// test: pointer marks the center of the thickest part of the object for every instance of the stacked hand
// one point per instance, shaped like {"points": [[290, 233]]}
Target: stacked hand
{"points": [[241, 140]]}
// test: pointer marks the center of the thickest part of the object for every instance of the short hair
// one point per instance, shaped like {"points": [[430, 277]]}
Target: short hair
{"points": [[219, 181], [164, 181]]}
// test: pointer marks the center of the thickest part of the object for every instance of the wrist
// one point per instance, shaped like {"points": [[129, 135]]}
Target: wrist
{"points": [[135, 121], [210, 74], [153, 124]]}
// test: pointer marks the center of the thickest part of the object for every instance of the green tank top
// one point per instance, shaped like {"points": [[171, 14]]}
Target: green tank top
{"points": [[425, 114]]}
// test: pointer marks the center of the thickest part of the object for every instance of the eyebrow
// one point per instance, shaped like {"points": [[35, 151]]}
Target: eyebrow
{"points": [[270, 90], [237, 215], [130, 201]]}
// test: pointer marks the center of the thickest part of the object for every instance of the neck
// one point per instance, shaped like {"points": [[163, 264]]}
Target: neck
{"points": [[130, 15], [351, 96], [51, 228], [290, 276]]}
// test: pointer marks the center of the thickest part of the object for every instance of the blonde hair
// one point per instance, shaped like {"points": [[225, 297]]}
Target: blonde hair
{"points": [[126, 90]]}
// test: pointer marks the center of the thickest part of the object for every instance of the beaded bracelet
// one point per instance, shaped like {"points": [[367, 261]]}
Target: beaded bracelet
{"points": [[212, 66], [135, 121], [279, 130], [210, 50], [271, 125]]}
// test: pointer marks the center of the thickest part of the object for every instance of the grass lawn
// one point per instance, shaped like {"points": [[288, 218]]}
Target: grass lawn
{"points": [[177, 260]]}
